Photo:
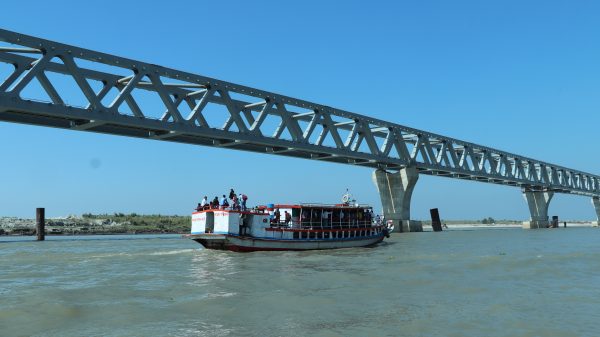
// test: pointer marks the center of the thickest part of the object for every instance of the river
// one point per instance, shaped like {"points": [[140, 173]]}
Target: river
{"points": [[484, 282]]}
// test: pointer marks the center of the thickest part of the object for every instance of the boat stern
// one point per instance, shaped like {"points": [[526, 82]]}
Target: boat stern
{"points": [[210, 241]]}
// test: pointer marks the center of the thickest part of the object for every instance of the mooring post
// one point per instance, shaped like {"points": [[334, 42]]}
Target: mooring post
{"points": [[436, 223], [40, 220]]}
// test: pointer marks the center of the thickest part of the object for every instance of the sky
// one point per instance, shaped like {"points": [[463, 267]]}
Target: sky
{"points": [[517, 76]]}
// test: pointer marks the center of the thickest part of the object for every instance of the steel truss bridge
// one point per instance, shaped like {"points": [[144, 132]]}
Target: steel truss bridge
{"points": [[57, 85]]}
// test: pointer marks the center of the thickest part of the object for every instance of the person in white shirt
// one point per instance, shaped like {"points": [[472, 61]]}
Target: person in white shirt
{"points": [[242, 199], [204, 202]]}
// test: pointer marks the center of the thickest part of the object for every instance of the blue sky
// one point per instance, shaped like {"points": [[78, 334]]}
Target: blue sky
{"points": [[518, 76]]}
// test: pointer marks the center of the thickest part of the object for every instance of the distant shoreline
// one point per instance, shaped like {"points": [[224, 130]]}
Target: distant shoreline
{"points": [[131, 224], [101, 224]]}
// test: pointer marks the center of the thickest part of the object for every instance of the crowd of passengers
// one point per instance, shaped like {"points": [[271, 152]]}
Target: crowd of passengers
{"points": [[238, 202]]}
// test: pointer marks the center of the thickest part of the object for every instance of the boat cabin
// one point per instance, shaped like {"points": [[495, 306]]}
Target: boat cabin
{"points": [[303, 222]]}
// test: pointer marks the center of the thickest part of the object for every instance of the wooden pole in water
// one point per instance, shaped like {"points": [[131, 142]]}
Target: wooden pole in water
{"points": [[40, 221]]}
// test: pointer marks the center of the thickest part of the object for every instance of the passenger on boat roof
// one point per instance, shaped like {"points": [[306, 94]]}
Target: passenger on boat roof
{"points": [[235, 201], [231, 194], [215, 203], [204, 202], [243, 199], [224, 203]]}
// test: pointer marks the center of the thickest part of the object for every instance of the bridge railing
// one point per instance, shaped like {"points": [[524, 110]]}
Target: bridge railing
{"points": [[54, 84]]}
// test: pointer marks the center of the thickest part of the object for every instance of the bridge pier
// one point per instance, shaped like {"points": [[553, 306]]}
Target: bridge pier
{"points": [[395, 190], [596, 203], [538, 203]]}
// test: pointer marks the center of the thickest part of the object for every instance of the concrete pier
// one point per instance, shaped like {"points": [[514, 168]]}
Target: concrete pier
{"points": [[596, 203], [538, 202], [395, 190]]}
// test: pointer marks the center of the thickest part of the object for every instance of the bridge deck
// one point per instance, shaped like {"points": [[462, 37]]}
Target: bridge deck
{"points": [[125, 97]]}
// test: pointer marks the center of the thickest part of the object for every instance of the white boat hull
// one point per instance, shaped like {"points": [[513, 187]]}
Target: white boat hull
{"points": [[249, 244]]}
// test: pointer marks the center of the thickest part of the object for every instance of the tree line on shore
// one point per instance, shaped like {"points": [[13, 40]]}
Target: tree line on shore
{"points": [[117, 223]]}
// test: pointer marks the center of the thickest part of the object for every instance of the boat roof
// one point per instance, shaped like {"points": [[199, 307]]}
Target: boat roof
{"points": [[262, 208], [208, 210], [318, 205]]}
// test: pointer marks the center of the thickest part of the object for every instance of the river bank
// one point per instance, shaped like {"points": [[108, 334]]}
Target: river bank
{"points": [[117, 223]]}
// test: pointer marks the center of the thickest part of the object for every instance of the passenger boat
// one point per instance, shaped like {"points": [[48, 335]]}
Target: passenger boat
{"points": [[307, 227]]}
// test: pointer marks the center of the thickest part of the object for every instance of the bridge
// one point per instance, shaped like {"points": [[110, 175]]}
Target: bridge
{"points": [[41, 77]]}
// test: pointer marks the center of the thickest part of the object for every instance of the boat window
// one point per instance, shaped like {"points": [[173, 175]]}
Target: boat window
{"points": [[311, 235], [327, 218], [295, 212], [296, 235], [326, 235], [305, 214], [315, 217], [304, 235]]}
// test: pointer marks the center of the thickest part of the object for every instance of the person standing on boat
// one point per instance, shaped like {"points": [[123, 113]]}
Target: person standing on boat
{"points": [[231, 194], [326, 218], [243, 199], [204, 202], [224, 203], [288, 218], [277, 216], [236, 204]]}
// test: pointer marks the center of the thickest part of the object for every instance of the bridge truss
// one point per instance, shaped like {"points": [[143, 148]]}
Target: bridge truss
{"points": [[57, 85]]}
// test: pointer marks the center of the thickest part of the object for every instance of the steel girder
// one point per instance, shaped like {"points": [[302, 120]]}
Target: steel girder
{"points": [[113, 90]]}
